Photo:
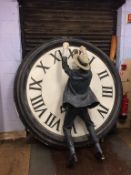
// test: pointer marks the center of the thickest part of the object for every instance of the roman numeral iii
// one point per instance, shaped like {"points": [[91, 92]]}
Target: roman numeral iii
{"points": [[107, 91]]}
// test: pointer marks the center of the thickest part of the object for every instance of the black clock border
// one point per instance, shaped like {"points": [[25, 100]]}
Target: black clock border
{"points": [[41, 133]]}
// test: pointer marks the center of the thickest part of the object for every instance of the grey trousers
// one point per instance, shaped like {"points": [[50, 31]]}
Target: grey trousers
{"points": [[70, 116]]}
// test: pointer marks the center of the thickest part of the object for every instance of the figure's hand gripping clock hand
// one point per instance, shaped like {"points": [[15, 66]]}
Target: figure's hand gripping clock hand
{"points": [[65, 49], [65, 55]]}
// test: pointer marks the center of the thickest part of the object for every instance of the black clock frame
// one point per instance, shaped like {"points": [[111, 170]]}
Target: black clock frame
{"points": [[41, 133]]}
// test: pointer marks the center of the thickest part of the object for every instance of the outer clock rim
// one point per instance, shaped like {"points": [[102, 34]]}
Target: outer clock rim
{"points": [[30, 122]]}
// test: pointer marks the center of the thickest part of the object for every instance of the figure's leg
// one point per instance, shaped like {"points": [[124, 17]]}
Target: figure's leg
{"points": [[90, 126], [99, 152], [67, 126]]}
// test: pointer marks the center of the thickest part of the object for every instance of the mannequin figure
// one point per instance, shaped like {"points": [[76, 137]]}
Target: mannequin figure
{"points": [[77, 98]]}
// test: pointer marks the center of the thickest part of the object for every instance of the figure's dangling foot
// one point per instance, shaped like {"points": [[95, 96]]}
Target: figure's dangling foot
{"points": [[72, 161], [99, 152], [100, 156]]}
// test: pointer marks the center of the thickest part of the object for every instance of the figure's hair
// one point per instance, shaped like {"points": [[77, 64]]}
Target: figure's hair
{"points": [[76, 51]]}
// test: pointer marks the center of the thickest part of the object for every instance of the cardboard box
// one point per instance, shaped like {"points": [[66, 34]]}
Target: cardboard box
{"points": [[128, 63], [126, 86], [126, 76]]}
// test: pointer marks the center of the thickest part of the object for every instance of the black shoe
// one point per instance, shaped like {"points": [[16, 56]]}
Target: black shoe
{"points": [[100, 156], [72, 161]]}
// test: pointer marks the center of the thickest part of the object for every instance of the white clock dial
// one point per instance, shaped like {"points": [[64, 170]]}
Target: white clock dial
{"points": [[45, 85], [39, 87]]}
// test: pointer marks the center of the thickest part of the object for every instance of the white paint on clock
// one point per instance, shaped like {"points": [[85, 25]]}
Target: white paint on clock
{"points": [[48, 87]]}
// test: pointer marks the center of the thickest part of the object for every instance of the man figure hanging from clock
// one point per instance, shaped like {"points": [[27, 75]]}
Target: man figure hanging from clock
{"points": [[77, 98]]}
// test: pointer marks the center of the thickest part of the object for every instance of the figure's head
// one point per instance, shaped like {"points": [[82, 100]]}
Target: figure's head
{"points": [[81, 58]]}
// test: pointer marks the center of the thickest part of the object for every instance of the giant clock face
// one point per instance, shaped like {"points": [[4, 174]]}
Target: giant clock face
{"points": [[40, 84]]}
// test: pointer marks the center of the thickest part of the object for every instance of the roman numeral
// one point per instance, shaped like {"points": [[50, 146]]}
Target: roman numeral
{"points": [[91, 60], [71, 54], [102, 110], [107, 91], [38, 102], [74, 129], [103, 74], [35, 85], [53, 122], [56, 58], [44, 68]]}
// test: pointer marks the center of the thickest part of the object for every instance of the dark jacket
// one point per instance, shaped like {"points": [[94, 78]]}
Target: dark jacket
{"points": [[77, 91]]}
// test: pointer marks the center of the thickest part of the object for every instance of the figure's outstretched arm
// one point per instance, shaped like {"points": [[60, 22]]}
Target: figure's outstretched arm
{"points": [[66, 67], [64, 59]]}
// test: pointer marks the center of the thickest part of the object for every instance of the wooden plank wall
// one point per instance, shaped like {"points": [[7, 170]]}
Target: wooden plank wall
{"points": [[43, 20]]}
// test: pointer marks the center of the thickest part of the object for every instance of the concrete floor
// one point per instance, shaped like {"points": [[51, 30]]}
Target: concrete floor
{"points": [[20, 158]]}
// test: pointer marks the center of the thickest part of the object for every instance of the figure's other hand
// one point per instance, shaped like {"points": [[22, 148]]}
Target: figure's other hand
{"points": [[83, 50], [65, 49]]}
